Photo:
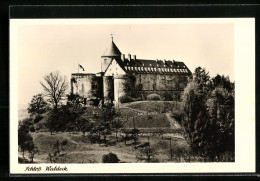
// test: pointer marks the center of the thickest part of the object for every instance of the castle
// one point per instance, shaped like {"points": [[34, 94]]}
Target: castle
{"points": [[130, 76]]}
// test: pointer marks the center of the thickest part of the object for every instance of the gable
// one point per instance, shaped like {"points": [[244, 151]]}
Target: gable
{"points": [[114, 69]]}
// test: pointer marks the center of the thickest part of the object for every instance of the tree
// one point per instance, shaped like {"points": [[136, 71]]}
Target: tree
{"points": [[108, 114], [25, 140], [116, 125], [37, 105], [54, 87], [221, 115], [222, 81], [32, 150], [201, 76], [84, 125], [208, 114], [60, 119]]}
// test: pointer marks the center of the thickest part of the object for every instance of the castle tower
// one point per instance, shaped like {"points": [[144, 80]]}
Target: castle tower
{"points": [[111, 52]]}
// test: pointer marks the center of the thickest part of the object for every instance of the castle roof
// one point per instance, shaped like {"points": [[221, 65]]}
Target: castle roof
{"points": [[112, 51], [142, 66], [133, 65]]}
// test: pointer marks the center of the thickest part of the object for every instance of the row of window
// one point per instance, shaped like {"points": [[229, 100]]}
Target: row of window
{"points": [[156, 69]]}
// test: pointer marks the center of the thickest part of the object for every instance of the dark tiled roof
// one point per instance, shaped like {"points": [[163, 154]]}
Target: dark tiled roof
{"points": [[112, 51], [153, 66]]}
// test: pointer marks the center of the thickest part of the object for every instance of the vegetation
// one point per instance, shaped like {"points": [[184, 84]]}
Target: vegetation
{"points": [[37, 105], [143, 121], [110, 158], [25, 140], [125, 99], [153, 97], [54, 86], [208, 115]]}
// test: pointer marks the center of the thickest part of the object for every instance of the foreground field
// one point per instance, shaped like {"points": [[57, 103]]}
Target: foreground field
{"points": [[149, 117], [79, 150]]}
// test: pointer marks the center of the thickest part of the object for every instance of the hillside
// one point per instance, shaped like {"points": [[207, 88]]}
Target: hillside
{"points": [[79, 149]]}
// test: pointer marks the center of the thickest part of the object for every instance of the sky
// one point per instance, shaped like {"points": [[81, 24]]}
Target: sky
{"points": [[45, 48]]}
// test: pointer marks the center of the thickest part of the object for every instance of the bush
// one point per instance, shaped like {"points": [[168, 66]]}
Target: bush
{"points": [[167, 96], [39, 126], [64, 142], [125, 99], [32, 129], [110, 158], [138, 99], [153, 97], [37, 119], [177, 114]]}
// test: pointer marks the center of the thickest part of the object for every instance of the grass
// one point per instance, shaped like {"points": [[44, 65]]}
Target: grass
{"points": [[148, 121], [151, 106], [80, 150]]}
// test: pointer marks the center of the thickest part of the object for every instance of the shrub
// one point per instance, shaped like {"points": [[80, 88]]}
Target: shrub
{"points": [[37, 119], [125, 99], [167, 96], [64, 142], [39, 126], [110, 158], [177, 114], [138, 99], [153, 97], [32, 129]]}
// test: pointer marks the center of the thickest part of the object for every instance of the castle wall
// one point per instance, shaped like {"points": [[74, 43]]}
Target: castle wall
{"points": [[86, 85], [158, 83]]}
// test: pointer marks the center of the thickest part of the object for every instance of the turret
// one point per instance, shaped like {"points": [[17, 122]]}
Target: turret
{"points": [[111, 52]]}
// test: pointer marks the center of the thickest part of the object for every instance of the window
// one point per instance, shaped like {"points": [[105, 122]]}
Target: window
{"points": [[154, 86]]}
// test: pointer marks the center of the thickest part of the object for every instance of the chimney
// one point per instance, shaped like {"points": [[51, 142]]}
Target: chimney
{"points": [[123, 57], [129, 57], [164, 61], [134, 57]]}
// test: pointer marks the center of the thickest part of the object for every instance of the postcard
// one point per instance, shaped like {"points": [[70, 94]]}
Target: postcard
{"points": [[170, 95]]}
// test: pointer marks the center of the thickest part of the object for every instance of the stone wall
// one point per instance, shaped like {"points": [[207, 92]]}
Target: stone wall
{"points": [[86, 85], [158, 82]]}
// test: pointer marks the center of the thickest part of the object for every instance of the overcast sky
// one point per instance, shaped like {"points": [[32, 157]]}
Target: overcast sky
{"points": [[46, 48]]}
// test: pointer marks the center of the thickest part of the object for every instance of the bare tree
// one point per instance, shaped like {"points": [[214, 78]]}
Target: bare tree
{"points": [[54, 87]]}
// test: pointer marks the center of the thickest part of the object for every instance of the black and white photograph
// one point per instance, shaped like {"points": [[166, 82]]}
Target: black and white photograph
{"points": [[100, 92]]}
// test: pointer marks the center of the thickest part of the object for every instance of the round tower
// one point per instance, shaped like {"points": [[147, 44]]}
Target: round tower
{"points": [[108, 88], [111, 52], [119, 87]]}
